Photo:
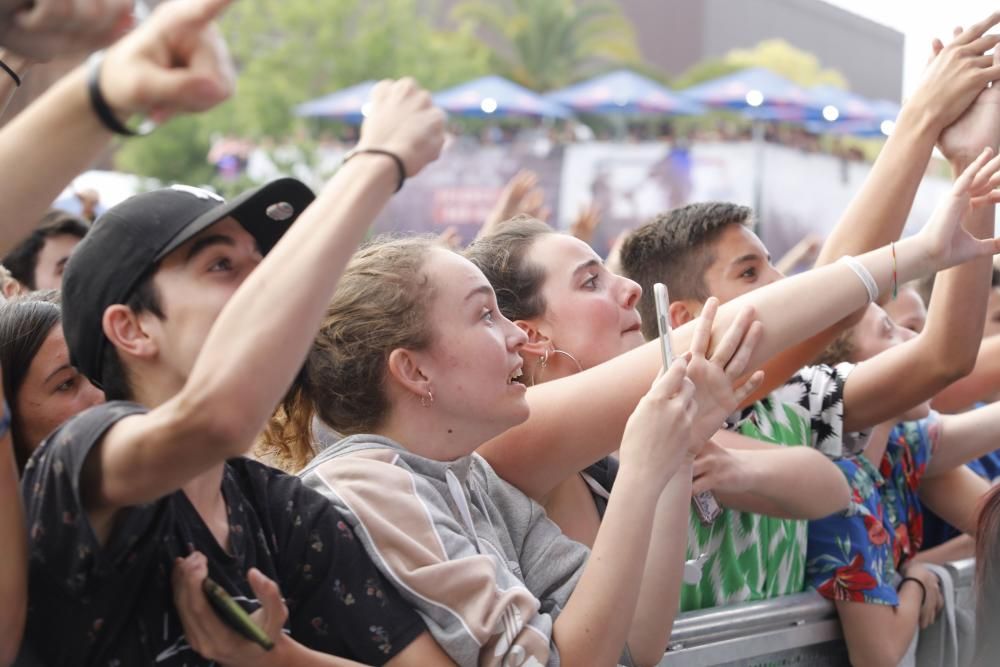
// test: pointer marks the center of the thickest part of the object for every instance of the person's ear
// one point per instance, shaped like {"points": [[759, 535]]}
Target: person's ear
{"points": [[683, 311], [126, 332], [538, 342], [14, 288], [404, 367]]}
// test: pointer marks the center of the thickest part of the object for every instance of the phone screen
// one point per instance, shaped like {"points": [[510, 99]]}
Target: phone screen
{"points": [[663, 323]]}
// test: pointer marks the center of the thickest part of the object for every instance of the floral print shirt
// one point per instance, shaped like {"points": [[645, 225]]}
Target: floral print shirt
{"points": [[855, 555], [112, 603]]}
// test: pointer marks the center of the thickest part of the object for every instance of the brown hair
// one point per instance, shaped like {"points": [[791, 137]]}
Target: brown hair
{"points": [[674, 248], [381, 304], [502, 257], [987, 573], [841, 349]]}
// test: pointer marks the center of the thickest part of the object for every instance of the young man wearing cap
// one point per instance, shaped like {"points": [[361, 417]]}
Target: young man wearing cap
{"points": [[195, 337]]}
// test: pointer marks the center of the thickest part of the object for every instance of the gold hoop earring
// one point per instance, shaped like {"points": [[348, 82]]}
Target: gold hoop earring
{"points": [[544, 361], [427, 400]]}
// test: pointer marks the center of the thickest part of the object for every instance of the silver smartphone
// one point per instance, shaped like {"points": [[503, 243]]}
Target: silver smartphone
{"points": [[705, 504]]}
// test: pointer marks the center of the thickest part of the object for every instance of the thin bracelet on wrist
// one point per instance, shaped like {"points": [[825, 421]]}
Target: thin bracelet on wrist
{"points": [[923, 589], [400, 167], [10, 70], [103, 110]]}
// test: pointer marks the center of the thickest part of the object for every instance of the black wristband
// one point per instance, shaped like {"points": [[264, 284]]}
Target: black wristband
{"points": [[400, 167], [7, 68], [101, 107], [923, 589]]}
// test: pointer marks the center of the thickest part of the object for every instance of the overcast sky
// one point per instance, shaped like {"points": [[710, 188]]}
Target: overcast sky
{"points": [[920, 21]]}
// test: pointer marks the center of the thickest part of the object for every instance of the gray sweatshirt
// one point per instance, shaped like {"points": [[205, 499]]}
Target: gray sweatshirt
{"points": [[481, 563]]}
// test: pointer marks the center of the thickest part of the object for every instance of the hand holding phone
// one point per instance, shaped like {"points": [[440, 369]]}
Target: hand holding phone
{"points": [[233, 615], [705, 504]]}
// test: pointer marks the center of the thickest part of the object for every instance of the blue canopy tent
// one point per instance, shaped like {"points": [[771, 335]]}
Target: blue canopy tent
{"points": [[760, 93], [842, 105], [623, 92], [879, 124], [496, 97], [346, 105]]}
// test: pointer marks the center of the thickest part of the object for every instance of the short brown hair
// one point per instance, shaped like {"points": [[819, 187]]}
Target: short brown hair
{"points": [[674, 248], [381, 304]]}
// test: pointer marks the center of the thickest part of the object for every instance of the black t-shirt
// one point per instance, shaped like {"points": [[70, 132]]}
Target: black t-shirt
{"points": [[113, 604], [600, 478]]}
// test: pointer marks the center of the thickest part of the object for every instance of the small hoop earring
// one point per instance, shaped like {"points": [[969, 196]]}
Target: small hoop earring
{"points": [[427, 400], [544, 361]]}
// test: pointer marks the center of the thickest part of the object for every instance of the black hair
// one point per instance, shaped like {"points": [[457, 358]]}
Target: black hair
{"points": [[23, 259]]}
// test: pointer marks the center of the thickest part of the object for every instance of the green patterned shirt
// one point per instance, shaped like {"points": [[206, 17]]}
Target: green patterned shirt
{"points": [[750, 556]]}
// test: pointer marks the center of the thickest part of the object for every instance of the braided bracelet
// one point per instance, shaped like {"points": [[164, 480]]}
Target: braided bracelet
{"points": [[923, 589]]}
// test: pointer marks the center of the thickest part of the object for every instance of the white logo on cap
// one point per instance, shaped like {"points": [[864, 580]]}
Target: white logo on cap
{"points": [[280, 211], [197, 192]]}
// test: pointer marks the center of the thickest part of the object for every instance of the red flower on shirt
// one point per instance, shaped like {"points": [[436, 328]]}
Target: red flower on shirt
{"points": [[876, 531], [848, 583]]}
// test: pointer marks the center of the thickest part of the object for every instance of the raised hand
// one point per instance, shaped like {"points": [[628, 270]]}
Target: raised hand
{"points": [[521, 195], [586, 222], [715, 377], [43, 29], [945, 240], [209, 636], [977, 127], [658, 436], [404, 121], [175, 62], [957, 73], [719, 469]]}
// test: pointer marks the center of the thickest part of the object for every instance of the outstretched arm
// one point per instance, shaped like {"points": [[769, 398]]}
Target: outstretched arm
{"points": [[946, 349], [238, 378], [982, 383], [954, 495], [14, 566], [965, 437], [579, 419], [786, 482], [877, 214], [152, 71]]}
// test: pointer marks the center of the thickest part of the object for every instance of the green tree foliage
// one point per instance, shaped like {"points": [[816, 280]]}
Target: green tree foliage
{"points": [[547, 44], [777, 55], [291, 51]]}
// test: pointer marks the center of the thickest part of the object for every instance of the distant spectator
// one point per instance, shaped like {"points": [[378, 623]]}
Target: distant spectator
{"points": [[38, 262]]}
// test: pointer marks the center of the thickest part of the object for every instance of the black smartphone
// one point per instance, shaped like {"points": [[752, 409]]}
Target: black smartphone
{"points": [[233, 615]]}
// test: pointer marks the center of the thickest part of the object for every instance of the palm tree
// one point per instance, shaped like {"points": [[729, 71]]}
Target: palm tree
{"points": [[546, 44]]}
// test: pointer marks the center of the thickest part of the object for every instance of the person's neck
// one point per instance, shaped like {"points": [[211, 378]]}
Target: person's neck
{"points": [[426, 434]]}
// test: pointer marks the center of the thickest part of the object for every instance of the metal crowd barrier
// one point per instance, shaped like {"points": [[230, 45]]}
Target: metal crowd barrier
{"points": [[800, 629]]}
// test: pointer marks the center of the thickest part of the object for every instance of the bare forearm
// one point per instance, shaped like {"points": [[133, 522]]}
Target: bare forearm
{"points": [[14, 566], [957, 548], [966, 437], [981, 384], [659, 596], [58, 136], [877, 635], [293, 284], [594, 626], [8, 86], [576, 420], [877, 215], [790, 483], [954, 496]]}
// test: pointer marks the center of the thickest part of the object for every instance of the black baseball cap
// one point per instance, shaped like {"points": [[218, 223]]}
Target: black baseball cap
{"points": [[128, 241]]}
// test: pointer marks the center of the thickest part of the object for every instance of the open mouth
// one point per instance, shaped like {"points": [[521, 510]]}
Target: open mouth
{"points": [[515, 377]]}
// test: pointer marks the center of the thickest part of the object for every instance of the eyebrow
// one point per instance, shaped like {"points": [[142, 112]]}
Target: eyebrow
{"points": [[482, 289], [56, 372], [586, 265], [206, 242]]}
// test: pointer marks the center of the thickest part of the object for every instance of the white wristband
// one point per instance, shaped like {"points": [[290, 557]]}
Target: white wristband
{"points": [[865, 275]]}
